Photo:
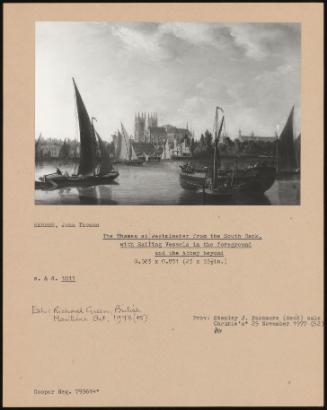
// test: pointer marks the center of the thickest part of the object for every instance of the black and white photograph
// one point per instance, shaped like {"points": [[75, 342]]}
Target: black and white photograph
{"points": [[167, 113]]}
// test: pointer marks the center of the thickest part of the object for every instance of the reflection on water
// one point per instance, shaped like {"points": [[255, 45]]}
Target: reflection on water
{"points": [[154, 184]]}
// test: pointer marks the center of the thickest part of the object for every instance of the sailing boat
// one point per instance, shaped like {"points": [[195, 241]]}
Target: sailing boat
{"points": [[255, 179], [181, 151], [166, 151], [127, 154], [90, 172], [286, 159], [105, 166], [122, 148]]}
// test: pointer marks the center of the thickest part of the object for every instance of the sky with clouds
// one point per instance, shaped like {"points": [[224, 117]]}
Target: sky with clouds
{"points": [[179, 70]]}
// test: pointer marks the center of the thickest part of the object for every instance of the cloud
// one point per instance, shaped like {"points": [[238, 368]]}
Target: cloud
{"points": [[262, 40], [167, 40], [284, 69], [244, 38], [276, 74], [214, 88], [181, 70], [138, 41], [194, 33], [159, 41]]}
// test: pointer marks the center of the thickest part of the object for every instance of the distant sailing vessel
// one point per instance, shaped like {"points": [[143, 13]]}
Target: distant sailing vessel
{"points": [[286, 156], [221, 183], [127, 154], [92, 170], [181, 151], [166, 151]]}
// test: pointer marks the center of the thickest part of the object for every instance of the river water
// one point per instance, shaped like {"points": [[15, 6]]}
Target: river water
{"points": [[154, 183]]}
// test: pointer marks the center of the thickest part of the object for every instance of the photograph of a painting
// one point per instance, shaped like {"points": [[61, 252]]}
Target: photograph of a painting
{"points": [[167, 113]]}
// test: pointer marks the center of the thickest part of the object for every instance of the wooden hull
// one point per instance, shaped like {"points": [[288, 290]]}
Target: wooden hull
{"points": [[257, 181], [254, 181], [59, 181], [192, 181]]}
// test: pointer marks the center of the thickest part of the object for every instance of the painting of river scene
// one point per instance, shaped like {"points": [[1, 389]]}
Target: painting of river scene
{"points": [[162, 188], [176, 113]]}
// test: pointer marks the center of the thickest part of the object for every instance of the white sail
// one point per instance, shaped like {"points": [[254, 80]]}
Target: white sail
{"points": [[166, 151], [123, 151], [133, 153], [124, 144], [163, 155]]}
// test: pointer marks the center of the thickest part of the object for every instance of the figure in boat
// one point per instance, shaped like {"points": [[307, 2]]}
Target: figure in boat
{"points": [[92, 170]]}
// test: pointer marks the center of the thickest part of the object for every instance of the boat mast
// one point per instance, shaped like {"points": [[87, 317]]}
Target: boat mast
{"points": [[216, 135], [94, 133], [214, 173]]}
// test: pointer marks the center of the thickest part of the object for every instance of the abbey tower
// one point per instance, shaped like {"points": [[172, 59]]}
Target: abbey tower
{"points": [[143, 122]]}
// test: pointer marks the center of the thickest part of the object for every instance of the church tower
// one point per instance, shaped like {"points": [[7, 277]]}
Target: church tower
{"points": [[152, 120], [139, 128]]}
